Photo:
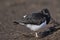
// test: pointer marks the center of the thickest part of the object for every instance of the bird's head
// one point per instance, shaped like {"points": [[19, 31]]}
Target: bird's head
{"points": [[46, 12]]}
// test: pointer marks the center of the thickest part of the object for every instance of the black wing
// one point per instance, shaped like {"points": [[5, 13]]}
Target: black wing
{"points": [[34, 18]]}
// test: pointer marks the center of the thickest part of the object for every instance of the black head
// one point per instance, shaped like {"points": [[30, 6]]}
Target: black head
{"points": [[46, 14]]}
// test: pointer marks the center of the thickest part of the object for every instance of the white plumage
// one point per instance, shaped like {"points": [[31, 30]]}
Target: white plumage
{"points": [[36, 27], [24, 16]]}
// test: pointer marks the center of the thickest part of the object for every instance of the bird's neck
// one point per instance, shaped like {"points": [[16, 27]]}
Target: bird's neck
{"points": [[47, 19]]}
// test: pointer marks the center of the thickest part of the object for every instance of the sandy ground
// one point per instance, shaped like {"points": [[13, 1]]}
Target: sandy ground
{"points": [[11, 10]]}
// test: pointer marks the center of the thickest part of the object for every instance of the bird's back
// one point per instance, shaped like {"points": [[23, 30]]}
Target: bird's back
{"points": [[34, 18]]}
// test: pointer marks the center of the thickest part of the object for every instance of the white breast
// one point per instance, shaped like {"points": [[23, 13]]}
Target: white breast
{"points": [[36, 27]]}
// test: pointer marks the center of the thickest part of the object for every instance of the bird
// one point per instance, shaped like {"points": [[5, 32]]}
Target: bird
{"points": [[35, 21]]}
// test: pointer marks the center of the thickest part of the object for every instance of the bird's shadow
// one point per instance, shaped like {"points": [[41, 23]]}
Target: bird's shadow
{"points": [[50, 31]]}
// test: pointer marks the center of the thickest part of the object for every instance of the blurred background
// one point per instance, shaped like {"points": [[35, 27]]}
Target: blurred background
{"points": [[11, 10]]}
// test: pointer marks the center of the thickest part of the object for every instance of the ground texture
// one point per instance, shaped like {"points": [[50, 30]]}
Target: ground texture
{"points": [[11, 10]]}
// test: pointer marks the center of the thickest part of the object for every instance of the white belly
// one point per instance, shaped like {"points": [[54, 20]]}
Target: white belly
{"points": [[36, 27]]}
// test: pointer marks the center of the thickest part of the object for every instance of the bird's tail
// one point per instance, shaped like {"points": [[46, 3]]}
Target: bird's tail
{"points": [[19, 22], [15, 22]]}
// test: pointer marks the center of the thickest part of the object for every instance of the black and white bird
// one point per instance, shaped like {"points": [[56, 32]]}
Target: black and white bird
{"points": [[36, 21]]}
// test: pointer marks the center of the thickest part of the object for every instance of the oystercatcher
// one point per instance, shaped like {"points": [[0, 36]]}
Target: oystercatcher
{"points": [[35, 21]]}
